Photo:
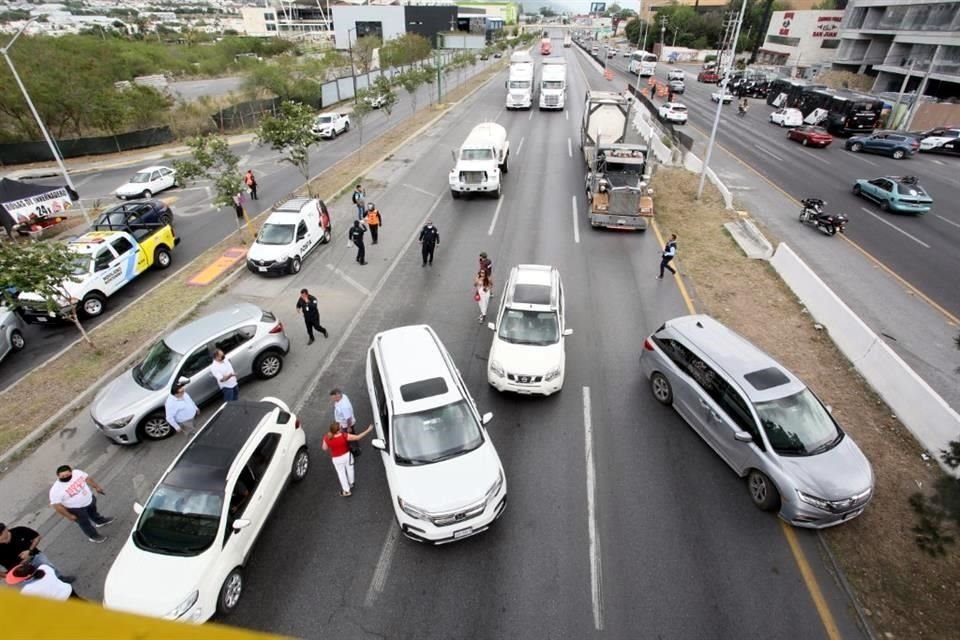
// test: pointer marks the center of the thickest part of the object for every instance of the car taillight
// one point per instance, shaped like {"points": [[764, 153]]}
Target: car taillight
{"points": [[296, 425], [278, 328], [648, 345]]}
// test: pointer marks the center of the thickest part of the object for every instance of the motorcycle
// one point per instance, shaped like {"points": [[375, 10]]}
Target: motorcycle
{"points": [[811, 213]]}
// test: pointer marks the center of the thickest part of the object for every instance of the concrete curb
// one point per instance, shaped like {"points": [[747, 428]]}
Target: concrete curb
{"points": [[40, 432], [846, 587]]}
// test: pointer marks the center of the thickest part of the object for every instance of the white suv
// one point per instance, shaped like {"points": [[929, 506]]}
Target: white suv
{"points": [[184, 558], [527, 355], [445, 477]]}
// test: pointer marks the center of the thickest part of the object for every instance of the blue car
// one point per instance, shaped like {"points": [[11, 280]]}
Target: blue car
{"points": [[902, 194], [142, 212], [895, 145]]}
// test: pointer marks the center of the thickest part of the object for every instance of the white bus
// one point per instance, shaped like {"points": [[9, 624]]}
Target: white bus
{"points": [[642, 63]]}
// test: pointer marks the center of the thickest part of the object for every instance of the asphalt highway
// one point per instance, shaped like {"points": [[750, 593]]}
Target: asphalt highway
{"points": [[921, 249], [198, 224]]}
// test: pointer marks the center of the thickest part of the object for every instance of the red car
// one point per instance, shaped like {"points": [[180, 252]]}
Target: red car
{"points": [[810, 136], [710, 77]]}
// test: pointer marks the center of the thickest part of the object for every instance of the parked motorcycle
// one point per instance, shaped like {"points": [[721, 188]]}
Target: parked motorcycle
{"points": [[811, 213]]}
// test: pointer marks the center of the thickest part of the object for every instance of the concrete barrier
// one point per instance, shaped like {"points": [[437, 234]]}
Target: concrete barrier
{"points": [[928, 417], [694, 164]]}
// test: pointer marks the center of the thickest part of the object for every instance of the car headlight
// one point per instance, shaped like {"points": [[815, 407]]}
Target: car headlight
{"points": [[495, 487], [184, 606], [819, 503], [496, 368], [412, 511], [553, 374], [120, 423]]}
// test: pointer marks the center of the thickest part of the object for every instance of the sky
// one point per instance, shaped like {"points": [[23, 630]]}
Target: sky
{"points": [[572, 6]]}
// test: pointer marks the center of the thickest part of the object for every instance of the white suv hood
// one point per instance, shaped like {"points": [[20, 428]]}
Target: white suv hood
{"points": [[526, 359], [451, 484], [259, 251]]}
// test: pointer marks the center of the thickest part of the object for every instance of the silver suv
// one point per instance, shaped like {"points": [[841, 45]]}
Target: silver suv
{"points": [[131, 408], [764, 422], [11, 332]]}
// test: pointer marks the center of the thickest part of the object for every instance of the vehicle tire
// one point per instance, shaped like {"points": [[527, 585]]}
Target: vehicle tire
{"points": [[165, 219], [268, 364], [454, 194], [162, 257], [885, 205], [16, 340], [506, 163], [762, 491], [230, 592], [93, 304], [783, 124], [856, 147], [147, 194], [661, 389], [301, 465], [830, 230], [294, 266], [346, 127], [154, 427], [327, 235], [897, 154], [804, 142]]}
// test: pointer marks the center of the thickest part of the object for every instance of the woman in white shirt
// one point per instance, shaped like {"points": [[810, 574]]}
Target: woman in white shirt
{"points": [[40, 581]]}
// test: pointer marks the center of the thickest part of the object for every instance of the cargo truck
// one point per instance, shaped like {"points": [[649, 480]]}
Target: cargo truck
{"points": [[520, 86], [481, 161], [567, 40], [617, 173], [553, 84], [545, 47]]}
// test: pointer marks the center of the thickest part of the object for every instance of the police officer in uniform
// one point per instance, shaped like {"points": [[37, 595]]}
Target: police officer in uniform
{"points": [[429, 239], [356, 234]]}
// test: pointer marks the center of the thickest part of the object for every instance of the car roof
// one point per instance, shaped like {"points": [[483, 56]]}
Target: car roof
{"points": [[748, 365], [192, 334], [409, 355], [295, 204], [93, 241], [533, 287], [154, 168], [207, 460], [284, 217]]}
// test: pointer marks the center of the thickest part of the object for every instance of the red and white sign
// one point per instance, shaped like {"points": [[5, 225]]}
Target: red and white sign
{"points": [[827, 27], [787, 21], [51, 203]]}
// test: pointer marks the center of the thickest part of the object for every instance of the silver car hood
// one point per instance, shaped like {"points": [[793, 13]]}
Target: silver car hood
{"points": [[123, 397], [839, 473]]}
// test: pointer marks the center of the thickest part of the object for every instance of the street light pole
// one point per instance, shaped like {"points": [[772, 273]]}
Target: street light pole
{"points": [[46, 135], [353, 69]]}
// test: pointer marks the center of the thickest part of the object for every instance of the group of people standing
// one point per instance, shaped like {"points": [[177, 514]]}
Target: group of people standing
{"points": [[369, 213]]}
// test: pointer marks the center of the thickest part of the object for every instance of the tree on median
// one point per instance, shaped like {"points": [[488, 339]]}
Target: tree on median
{"points": [[410, 80], [290, 133], [44, 269], [362, 108], [212, 159], [384, 88]]}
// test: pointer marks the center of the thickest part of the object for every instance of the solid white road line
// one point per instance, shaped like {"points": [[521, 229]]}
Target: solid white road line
{"points": [[576, 221], [423, 191], [520, 146], [353, 283], [496, 214], [942, 164], [596, 574], [569, 148], [893, 226], [768, 152], [566, 114], [383, 566], [948, 221]]}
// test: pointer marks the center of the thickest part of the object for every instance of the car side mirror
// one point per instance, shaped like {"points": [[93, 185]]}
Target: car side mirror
{"points": [[487, 417], [568, 332], [742, 436], [240, 523], [137, 508], [378, 443], [491, 326]]}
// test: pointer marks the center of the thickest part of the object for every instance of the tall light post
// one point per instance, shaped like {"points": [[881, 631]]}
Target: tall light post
{"points": [[353, 69], [46, 135]]}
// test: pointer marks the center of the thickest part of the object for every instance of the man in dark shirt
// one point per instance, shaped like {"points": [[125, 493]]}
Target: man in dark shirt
{"points": [[356, 235], [307, 307], [19, 545], [429, 239]]}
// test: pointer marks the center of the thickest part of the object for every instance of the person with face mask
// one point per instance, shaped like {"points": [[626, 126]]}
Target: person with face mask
{"points": [[429, 239], [72, 498], [356, 236]]}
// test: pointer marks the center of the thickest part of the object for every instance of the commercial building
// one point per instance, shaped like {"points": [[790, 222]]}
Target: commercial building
{"points": [[802, 41], [285, 19], [897, 39], [388, 22], [649, 7]]}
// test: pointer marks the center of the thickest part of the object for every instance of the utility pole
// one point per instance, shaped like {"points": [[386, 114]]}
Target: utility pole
{"points": [[723, 89], [353, 69], [663, 30], [437, 63], [5, 51], [921, 89]]}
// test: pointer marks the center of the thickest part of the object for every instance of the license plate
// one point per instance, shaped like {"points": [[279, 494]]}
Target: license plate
{"points": [[261, 269], [41, 319], [621, 221], [463, 533]]}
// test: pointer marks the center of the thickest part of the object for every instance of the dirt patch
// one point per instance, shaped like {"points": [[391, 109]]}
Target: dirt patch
{"points": [[128, 332], [904, 592]]}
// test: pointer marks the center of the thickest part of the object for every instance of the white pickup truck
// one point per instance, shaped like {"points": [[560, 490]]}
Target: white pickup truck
{"points": [[481, 161]]}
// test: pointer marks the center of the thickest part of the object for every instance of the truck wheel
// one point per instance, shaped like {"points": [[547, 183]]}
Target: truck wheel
{"points": [[162, 258], [294, 266], [506, 163], [454, 194], [346, 127], [499, 191], [92, 305]]}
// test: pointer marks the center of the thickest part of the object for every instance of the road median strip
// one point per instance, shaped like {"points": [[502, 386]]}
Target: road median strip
{"points": [[65, 379]]}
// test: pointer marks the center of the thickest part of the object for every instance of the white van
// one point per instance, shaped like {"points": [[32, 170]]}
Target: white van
{"points": [[293, 230]]}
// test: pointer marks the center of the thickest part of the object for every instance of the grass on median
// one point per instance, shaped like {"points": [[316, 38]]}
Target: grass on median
{"points": [[904, 592], [57, 384]]}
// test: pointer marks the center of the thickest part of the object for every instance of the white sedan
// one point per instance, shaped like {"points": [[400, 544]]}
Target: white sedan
{"points": [[330, 125], [673, 112], [146, 182], [376, 102], [717, 96], [787, 117], [676, 74]]}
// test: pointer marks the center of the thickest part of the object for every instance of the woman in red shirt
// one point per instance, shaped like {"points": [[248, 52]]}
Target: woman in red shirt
{"points": [[338, 444]]}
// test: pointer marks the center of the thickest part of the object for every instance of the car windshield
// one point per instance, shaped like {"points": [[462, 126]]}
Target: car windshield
{"points": [[140, 176], [537, 328], [81, 266], [117, 218], [476, 154], [156, 369], [553, 84], [677, 107], [519, 84], [179, 521], [276, 234], [798, 425], [324, 119], [436, 434]]}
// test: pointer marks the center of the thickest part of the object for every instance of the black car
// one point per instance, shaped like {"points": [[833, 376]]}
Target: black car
{"points": [[141, 212]]}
